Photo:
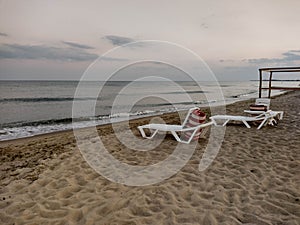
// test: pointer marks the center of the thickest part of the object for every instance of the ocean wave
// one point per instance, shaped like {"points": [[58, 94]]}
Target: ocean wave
{"points": [[58, 99], [25, 129], [185, 92], [243, 94], [81, 119]]}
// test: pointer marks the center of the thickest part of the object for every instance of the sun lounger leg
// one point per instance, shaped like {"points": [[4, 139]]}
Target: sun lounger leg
{"points": [[273, 122], [281, 115], [142, 132], [224, 124], [179, 140], [246, 124], [262, 123], [144, 135], [214, 121], [219, 125], [154, 133], [176, 136]]}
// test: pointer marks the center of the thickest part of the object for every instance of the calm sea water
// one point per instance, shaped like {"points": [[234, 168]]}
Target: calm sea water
{"points": [[33, 107]]}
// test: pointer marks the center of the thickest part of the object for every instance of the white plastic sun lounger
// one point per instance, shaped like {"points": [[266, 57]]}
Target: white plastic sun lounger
{"points": [[175, 128], [279, 113], [264, 117], [266, 102]]}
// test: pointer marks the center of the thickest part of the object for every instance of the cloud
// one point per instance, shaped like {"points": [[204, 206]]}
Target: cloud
{"points": [[290, 56], [112, 59], [17, 51], [226, 60], [204, 25], [76, 45], [3, 34], [118, 40]]}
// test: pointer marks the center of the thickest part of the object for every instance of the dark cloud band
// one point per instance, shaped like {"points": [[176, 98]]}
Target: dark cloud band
{"points": [[76, 45], [3, 34], [290, 56], [16, 51], [118, 40]]}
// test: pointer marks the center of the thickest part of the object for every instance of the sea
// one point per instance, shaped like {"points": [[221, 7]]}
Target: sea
{"points": [[29, 108]]}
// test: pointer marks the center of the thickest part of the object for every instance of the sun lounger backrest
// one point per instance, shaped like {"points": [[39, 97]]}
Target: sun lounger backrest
{"points": [[188, 116], [195, 118], [263, 101]]}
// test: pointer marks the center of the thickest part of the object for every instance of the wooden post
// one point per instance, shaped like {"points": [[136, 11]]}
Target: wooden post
{"points": [[260, 83], [270, 83]]}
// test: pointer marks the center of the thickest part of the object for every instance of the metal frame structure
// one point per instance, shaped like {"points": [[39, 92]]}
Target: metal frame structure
{"points": [[275, 70]]}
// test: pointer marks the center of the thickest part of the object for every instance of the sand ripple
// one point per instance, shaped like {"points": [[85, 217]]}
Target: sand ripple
{"points": [[253, 180]]}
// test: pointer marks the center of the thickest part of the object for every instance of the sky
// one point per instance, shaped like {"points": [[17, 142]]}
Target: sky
{"points": [[60, 39]]}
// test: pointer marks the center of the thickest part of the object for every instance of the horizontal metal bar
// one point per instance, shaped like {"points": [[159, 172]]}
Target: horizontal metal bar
{"points": [[280, 69], [281, 88]]}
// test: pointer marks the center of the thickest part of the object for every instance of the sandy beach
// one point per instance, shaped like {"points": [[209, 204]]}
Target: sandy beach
{"points": [[253, 180]]}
